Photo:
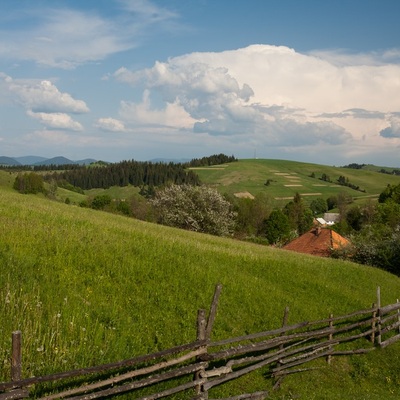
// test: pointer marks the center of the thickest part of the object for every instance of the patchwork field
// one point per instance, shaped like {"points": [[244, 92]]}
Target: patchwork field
{"points": [[282, 179]]}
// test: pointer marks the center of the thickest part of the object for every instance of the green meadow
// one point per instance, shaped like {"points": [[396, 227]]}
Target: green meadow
{"points": [[86, 287], [288, 177]]}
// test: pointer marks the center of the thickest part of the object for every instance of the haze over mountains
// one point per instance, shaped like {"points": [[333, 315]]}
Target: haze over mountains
{"points": [[60, 160], [36, 160]]}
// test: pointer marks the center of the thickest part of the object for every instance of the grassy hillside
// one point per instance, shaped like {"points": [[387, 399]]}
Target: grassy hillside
{"points": [[288, 177], [87, 287]]}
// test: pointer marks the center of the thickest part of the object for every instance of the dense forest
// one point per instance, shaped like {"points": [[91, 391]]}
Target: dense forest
{"points": [[126, 173], [136, 173]]}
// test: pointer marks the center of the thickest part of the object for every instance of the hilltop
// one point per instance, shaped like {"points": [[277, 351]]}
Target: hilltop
{"points": [[282, 179], [88, 287]]}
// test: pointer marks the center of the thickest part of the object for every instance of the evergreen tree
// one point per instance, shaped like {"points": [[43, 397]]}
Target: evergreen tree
{"points": [[299, 215]]}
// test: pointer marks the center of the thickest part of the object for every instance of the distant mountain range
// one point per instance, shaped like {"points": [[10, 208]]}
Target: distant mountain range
{"points": [[36, 160]]}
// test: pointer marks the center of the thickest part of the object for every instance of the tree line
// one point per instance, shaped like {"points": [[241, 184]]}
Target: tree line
{"points": [[143, 174], [216, 159], [125, 173], [392, 171]]}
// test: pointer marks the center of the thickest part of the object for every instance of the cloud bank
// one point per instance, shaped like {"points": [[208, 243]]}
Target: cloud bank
{"points": [[270, 99], [271, 96]]}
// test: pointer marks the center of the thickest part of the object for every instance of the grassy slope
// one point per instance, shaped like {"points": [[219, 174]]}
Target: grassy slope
{"points": [[250, 175], [87, 287]]}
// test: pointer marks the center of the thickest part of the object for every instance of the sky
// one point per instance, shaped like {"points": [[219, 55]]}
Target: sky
{"points": [[313, 81]]}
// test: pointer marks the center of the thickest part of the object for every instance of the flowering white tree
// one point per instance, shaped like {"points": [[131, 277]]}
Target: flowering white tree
{"points": [[195, 208]]}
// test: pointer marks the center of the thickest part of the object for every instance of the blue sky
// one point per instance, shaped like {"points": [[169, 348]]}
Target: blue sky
{"points": [[314, 81]]}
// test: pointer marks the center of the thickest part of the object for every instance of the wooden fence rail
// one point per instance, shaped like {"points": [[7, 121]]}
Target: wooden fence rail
{"points": [[197, 367]]}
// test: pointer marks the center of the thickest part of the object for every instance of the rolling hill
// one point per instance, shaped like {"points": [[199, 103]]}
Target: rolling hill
{"points": [[281, 179], [8, 161], [87, 287], [35, 160]]}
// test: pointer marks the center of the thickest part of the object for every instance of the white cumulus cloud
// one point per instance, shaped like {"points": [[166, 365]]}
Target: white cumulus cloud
{"points": [[110, 124], [56, 120], [275, 96], [44, 96], [140, 114]]}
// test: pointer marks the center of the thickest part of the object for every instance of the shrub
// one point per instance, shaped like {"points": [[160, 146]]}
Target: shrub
{"points": [[29, 183], [101, 201], [195, 208]]}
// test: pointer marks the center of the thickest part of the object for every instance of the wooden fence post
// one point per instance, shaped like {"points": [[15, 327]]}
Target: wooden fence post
{"points": [[373, 325], [204, 329], [201, 336], [329, 358], [279, 379], [378, 304], [16, 361], [398, 315], [213, 311]]}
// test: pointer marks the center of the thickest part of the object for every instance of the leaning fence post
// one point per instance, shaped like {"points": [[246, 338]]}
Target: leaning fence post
{"points": [[213, 311], [16, 361]]}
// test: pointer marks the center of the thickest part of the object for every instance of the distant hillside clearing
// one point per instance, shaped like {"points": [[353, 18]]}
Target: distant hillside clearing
{"points": [[244, 195]]}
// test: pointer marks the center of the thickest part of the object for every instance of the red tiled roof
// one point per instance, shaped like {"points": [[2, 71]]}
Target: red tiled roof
{"points": [[317, 241]]}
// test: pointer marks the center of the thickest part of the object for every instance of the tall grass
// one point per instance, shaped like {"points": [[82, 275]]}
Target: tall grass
{"points": [[87, 287]]}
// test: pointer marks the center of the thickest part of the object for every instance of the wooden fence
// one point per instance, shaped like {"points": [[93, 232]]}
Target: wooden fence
{"points": [[197, 367]]}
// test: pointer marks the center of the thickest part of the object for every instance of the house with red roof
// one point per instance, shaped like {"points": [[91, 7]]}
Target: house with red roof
{"points": [[318, 242]]}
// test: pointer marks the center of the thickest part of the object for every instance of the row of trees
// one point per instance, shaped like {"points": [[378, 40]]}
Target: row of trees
{"points": [[216, 159], [342, 180]]}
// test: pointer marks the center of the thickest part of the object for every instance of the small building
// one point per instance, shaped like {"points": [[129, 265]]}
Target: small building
{"points": [[331, 218], [318, 242]]}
